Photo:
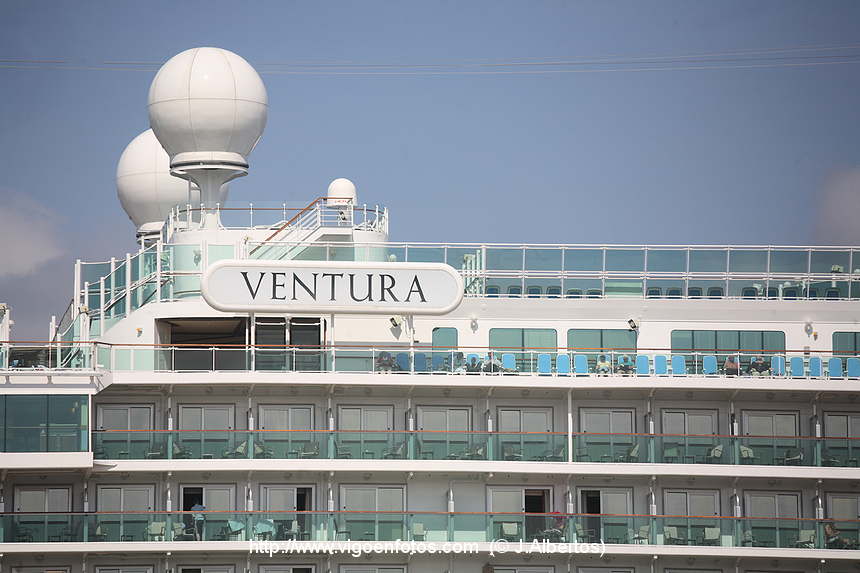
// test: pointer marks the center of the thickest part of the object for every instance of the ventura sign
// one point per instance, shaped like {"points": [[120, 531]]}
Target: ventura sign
{"points": [[328, 287]]}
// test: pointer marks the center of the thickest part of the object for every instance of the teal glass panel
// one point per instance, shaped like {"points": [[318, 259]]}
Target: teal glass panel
{"points": [[707, 261], [26, 423], [184, 257], [750, 288], [503, 259], [583, 260], [395, 254], [667, 261], [632, 260], [830, 262], [122, 359], [542, 288], [220, 253], [706, 288], [845, 343], [67, 423], [543, 259], [583, 288], [789, 261], [465, 259], [664, 288], [358, 252], [425, 254], [496, 286], [747, 261], [623, 288], [303, 253]]}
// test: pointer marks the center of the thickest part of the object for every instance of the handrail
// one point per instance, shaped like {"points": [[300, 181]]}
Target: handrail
{"points": [[288, 223]]}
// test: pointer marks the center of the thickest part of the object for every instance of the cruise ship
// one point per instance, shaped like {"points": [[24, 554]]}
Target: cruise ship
{"points": [[284, 389]]}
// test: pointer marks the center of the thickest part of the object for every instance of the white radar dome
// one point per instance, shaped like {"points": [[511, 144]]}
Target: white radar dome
{"points": [[341, 192], [207, 106], [146, 189]]}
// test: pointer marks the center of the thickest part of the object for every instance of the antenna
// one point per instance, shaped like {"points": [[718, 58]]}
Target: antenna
{"points": [[208, 108]]}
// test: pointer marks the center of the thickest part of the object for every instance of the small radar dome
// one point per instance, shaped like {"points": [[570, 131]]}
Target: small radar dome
{"points": [[341, 192], [208, 107]]}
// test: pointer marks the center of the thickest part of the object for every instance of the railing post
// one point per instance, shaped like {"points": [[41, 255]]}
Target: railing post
{"points": [[101, 306], [169, 446], [127, 284], [158, 250]]}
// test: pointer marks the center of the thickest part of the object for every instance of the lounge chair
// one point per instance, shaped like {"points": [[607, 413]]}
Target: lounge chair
{"points": [[796, 367], [643, 365], [420, 361], [815, 370], [777, 365], [679, 366], [510, 530], [509, 362], [661, 366], [806, 539], [544, 364], [709, 365], [711, 536], [580, 364], [562, 365], [853, 367], [155, 531], [834, 367], [672, 537]]}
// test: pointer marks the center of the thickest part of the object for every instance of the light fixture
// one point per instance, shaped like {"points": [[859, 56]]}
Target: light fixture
{"points": [[632, 324], [395, 321]]}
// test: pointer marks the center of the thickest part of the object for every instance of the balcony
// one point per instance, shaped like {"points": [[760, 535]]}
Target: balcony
{"points": [[207, 525], [475, 361], [485, 446]]}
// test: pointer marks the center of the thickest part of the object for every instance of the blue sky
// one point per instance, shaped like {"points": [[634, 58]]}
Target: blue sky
{"points": [[760, 155]]}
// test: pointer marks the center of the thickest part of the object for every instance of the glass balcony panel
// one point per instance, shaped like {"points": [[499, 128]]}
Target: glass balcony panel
{"points": [[376, 526], [290, 444], [503, 259], [543, 259], [497, 286], [748, 261], [611, 448], [830, 262], [708, 260], [706, 288], [299, 253], [210, 444], [664, 288], [540, 447], [789, 261], [693, 449], [371, 445], [466, 258], [623, 288], [350, 252], [395, 254], [854, 288], [832, 290], [667, 261], [583, 259], [840, 452], [776, 450], [92, 272], [542, 288], [232, 359], [416, 254], [747, 289], [451, 446], [630, 260], [365, 360]]}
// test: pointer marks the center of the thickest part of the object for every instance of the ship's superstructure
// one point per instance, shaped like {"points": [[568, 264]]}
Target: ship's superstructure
{"points": [[280, 389]]}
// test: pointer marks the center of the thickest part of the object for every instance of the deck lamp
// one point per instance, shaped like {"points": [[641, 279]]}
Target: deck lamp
{"points": [[632, 324]]}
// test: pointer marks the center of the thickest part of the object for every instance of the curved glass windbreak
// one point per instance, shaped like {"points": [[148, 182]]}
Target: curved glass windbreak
{"points": [[44, 423]]}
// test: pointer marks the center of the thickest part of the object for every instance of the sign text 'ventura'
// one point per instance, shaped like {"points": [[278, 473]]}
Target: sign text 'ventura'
{"points": [[363, 287], [332, 287]]}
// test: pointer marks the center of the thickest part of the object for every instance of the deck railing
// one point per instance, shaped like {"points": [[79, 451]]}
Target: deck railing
{"points": [[477, 527], [589, 447], [422, 359]]}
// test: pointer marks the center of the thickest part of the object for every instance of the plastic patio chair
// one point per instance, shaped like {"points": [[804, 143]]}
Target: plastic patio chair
{"points": [[580, 364], [796, 367], [777, 365], [509, 361], [853, 367], [709, 365], [402, 361], [544, 364], [834, 367], [420, 362], [562, 365], [643, 365], [679, 366], [661, 366], [815, 370]]}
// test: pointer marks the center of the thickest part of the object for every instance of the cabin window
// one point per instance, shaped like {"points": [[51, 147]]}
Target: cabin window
{"points": [[56, 423], [524, 343], [846, 343], [748, 343]]}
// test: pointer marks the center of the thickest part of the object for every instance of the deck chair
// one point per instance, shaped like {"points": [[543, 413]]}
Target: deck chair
{"points": [[747, 454], [580, 364], [402, 362], [562, 365], [544, 364], [777, 365], [418, 533], [583, 534], [793, 457], [815, 370], [806, 539], [632, 455], [420, 362], [554, 455], [239, 451], [643, 365], [796, 367], [834, 367], [396, 452], [510, 453], [310, 450], [714, 455], [661, 366], [510, 530], [155, 531], [709, 365], [639, 536], [509, 361], [671, 536], [437, 362], [711, 536], [853, 367], [679, 366]]}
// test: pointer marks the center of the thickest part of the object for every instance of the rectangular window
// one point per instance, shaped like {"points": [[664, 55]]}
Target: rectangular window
{"points": [[44, 423], [722, 343], [594, 341], [524, 343], [846, 343]]}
